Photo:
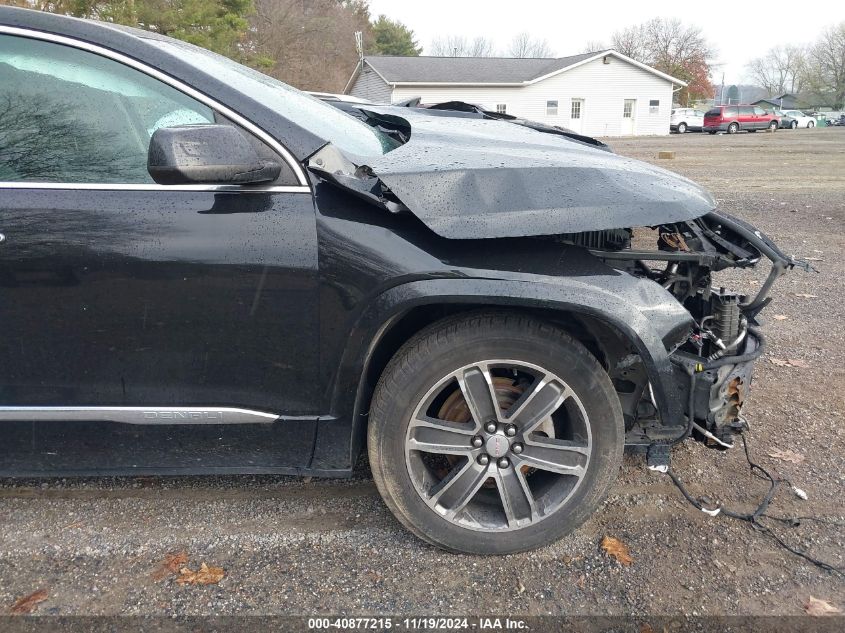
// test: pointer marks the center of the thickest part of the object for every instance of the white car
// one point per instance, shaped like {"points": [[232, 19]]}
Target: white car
{"points": [[800, 119], [684, 119]]}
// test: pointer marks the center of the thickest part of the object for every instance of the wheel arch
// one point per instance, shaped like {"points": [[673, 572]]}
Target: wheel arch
{"points": [[606, 333]]}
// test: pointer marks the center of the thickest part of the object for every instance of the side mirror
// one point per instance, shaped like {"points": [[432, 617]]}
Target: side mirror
{"points": [[206, 154]]}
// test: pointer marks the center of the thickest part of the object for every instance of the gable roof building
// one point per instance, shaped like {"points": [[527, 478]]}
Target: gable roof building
{"points": [[789, 101], [602, 93]]}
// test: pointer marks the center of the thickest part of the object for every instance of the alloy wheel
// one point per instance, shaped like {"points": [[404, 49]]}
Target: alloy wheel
{"points": [[498, 445]]}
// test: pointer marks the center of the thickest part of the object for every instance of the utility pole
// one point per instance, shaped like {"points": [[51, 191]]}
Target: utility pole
{"points": [[722, 91]]}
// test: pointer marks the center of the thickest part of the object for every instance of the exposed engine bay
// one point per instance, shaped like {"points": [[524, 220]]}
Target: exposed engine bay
{"points": [[713, 365]]}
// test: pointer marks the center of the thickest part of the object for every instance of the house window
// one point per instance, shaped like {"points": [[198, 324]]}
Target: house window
{"points": [[576, 109], [551, 108], [654, 106], [628, 109], [502, 108]]}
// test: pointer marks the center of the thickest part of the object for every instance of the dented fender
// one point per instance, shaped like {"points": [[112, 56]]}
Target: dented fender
{"points": [[645, 314]]}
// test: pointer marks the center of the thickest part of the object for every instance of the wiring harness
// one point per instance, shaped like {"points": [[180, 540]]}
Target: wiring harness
{"points": [[756, 518]]}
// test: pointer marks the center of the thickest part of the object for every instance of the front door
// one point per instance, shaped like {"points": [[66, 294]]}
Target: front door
{"points": [[576, 116], [629, 110], [118, 292]]}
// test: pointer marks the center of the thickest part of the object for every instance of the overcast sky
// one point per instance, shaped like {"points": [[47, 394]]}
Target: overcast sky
{"points": [[568, 25]]}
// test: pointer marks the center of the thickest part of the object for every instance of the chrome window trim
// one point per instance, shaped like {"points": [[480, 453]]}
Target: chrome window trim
{"points": [[138, 415], [88, 186], [170, 81]]}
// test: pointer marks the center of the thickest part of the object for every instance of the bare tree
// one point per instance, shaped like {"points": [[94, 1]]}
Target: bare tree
{"points": [[310, 45], [460, 46], [593, 46], [632, 42], [825, 71], [673, 48], [524, 45], [780, 70]]}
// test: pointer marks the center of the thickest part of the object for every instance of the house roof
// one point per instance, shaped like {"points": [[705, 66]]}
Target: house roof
{"points": [[484, 70], [493, 70]]}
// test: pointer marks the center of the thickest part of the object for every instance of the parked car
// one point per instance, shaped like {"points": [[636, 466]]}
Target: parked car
{"points": [[684, 119], [207, 271], [736, 118], [786, 121], [798, 119]]}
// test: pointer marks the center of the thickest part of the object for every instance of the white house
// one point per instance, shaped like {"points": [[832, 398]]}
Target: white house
{"points": [[603, 93]]}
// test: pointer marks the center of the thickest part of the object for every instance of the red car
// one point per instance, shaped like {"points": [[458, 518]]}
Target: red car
{"points": [[733, 118]]}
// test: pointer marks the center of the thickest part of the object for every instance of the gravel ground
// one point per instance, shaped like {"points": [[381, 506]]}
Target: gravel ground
{"points": [[293, 546]]}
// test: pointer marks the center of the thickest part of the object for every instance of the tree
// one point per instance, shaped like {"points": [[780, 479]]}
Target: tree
{"points": [[524, 45], [780, 70], [670, 47], [460, 46], [632, 42], [825, 71], [219, 25], [391, 37], [310, 45], [593, 46]]}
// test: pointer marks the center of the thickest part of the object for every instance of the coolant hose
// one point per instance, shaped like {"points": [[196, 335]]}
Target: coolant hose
{"points": [[744, 358]]}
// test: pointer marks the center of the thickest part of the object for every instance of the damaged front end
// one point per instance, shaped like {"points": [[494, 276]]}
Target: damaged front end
{"points": [[470, 179], [712, 367]]}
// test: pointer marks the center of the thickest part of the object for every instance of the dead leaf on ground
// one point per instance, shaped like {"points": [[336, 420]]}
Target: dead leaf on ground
{"points": [[780, 317], [817, 607], [205, 575], [646, 628], [786, 455], [617, 549], [171, 564], [804, 295], [28, 604], [790, 362]]}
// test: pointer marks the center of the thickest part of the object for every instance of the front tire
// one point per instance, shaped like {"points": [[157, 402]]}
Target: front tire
{"points": [[794, 125], [493, 433], [811, 124], [773, 126], [682, 128]]}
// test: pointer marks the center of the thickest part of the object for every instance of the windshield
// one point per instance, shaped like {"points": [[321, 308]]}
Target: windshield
{"points": [[341, 130]]}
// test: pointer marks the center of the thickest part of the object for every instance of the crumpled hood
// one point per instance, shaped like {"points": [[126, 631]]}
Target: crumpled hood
{"points": [[469, 178]]}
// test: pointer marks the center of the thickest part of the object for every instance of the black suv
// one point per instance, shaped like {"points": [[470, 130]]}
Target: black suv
{"points": [[204, 270]]}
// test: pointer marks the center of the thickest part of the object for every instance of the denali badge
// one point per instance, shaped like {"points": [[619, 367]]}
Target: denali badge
{"points": [[184, 415]]}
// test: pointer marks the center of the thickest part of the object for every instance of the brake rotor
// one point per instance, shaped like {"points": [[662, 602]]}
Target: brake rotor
{"points": [[455, 409]]}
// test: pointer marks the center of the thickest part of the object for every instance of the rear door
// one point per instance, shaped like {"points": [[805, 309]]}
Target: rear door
{"points": [[747, 120], [139, 299], [713, 117]]}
